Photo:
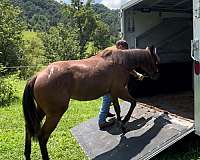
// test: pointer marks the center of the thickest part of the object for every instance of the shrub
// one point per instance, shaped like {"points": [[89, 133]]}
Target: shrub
{"points": [[33, 58], [7, 88]]}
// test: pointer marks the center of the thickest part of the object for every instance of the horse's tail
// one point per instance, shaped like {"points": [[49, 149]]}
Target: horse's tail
{"points": [[32, 122]]}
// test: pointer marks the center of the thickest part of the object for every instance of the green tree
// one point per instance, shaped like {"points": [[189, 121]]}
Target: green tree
{"points": [[39, 22], [40, 14], [33, 56], [110, 17], [61, 43], [82, 18], [10, 34], [101, 37]]}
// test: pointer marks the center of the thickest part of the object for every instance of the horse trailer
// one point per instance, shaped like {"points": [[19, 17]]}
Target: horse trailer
{"points": [[168, 109], [173, 27]]}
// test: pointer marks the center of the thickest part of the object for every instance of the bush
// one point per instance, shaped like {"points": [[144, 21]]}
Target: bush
{"points": [[33, 58], [90, 50], [7, 88]]}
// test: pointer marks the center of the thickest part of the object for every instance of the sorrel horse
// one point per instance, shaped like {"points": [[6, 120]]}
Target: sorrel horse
{"points": [[48, 93]]}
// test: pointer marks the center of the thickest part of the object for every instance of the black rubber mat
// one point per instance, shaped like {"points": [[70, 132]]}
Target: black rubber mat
{"points": [[149, 132]]}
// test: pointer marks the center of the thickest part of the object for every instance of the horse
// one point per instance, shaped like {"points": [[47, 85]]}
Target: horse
{"points": [[47, 94]]}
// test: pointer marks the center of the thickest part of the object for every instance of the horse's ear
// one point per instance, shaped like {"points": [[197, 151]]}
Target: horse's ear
{"points": [[152, 49], [106, 53], [153, 52]]}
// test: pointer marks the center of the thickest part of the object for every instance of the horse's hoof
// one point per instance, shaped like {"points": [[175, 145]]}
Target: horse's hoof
{"points": [[110, 114], [104, 125], [124, 130], [124, 122]]}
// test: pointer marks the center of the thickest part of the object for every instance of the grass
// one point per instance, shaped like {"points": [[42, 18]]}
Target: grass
{"points": [[62, 145]]}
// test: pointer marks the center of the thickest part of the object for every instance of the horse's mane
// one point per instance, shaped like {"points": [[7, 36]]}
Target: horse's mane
{"points": [[111, 48], [130, 57]]}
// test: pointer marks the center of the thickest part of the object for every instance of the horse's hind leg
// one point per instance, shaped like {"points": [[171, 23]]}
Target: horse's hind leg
{"points": [[50, 124], [28, 136], [46, 130], [41, 114], [27, 151]]}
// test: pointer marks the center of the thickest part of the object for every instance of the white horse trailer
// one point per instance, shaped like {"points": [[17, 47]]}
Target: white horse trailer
{"points": [[173, 27], [168, 108]]}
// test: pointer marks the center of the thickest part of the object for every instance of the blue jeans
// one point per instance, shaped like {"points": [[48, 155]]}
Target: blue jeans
{"points": [[104, 110]]}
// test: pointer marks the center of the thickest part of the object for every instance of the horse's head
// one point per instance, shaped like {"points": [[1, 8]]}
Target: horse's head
{"points": [[153, 61], [145, 59]]}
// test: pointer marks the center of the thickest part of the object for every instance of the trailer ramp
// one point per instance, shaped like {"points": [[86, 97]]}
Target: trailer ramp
{"points": [[150, 131]]}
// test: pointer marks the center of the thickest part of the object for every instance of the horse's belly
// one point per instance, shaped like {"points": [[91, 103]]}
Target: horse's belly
{"points": [[89, 92], [84, 98]]}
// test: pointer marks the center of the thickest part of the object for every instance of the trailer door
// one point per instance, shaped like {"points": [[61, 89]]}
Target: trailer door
{"points": [[196, 57]]}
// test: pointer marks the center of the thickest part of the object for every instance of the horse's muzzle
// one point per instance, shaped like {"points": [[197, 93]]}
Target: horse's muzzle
{"points": [[155, 76]]}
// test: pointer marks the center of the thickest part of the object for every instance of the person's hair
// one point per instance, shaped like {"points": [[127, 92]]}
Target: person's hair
{"points": [[123, 43]]}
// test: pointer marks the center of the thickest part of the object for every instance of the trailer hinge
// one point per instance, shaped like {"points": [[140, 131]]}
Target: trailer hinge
{"points": [[195, 50], [197, 11], [120, 14]]}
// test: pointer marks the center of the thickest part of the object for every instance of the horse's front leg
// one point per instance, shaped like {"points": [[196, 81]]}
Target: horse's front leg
{"points": [[117, 111], [124, 94], [116, 107], [128, 115]]}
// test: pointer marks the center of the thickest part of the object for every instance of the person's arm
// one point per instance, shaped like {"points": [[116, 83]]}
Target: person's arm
{"points": [[137, 75]]}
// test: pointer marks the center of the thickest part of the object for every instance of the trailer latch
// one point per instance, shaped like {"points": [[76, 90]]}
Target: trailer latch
{"points": [[195, 50]]}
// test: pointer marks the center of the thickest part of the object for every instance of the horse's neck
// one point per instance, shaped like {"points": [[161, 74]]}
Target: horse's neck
{"points": [[136, 59], [129, 58]]}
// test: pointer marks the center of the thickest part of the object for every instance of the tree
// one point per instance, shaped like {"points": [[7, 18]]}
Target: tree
{"points": [[39, 22], [101, 35], [111, 18], [48, 12], [10, 34], [33, 56], [83, 19], [61, 43]]}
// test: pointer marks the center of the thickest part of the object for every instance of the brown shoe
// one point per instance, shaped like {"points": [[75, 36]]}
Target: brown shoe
{"points": [[110, 114], [104, 125]]}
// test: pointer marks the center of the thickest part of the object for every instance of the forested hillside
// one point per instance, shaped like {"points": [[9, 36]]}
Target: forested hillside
{"points": [[61, 32], [110, 17], [34, 33], [42, 14]]}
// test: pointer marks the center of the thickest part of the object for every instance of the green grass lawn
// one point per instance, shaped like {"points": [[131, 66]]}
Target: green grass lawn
{"points": [[62, 145]]}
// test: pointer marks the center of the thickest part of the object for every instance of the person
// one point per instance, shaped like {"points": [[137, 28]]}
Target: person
{"points": [[106, 103]]}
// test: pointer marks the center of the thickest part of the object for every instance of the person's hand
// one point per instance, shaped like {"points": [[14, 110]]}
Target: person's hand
{"points": [[140, 77]]}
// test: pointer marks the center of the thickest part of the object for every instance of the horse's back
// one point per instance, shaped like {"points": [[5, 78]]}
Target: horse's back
{"points": [[79, 79]]}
